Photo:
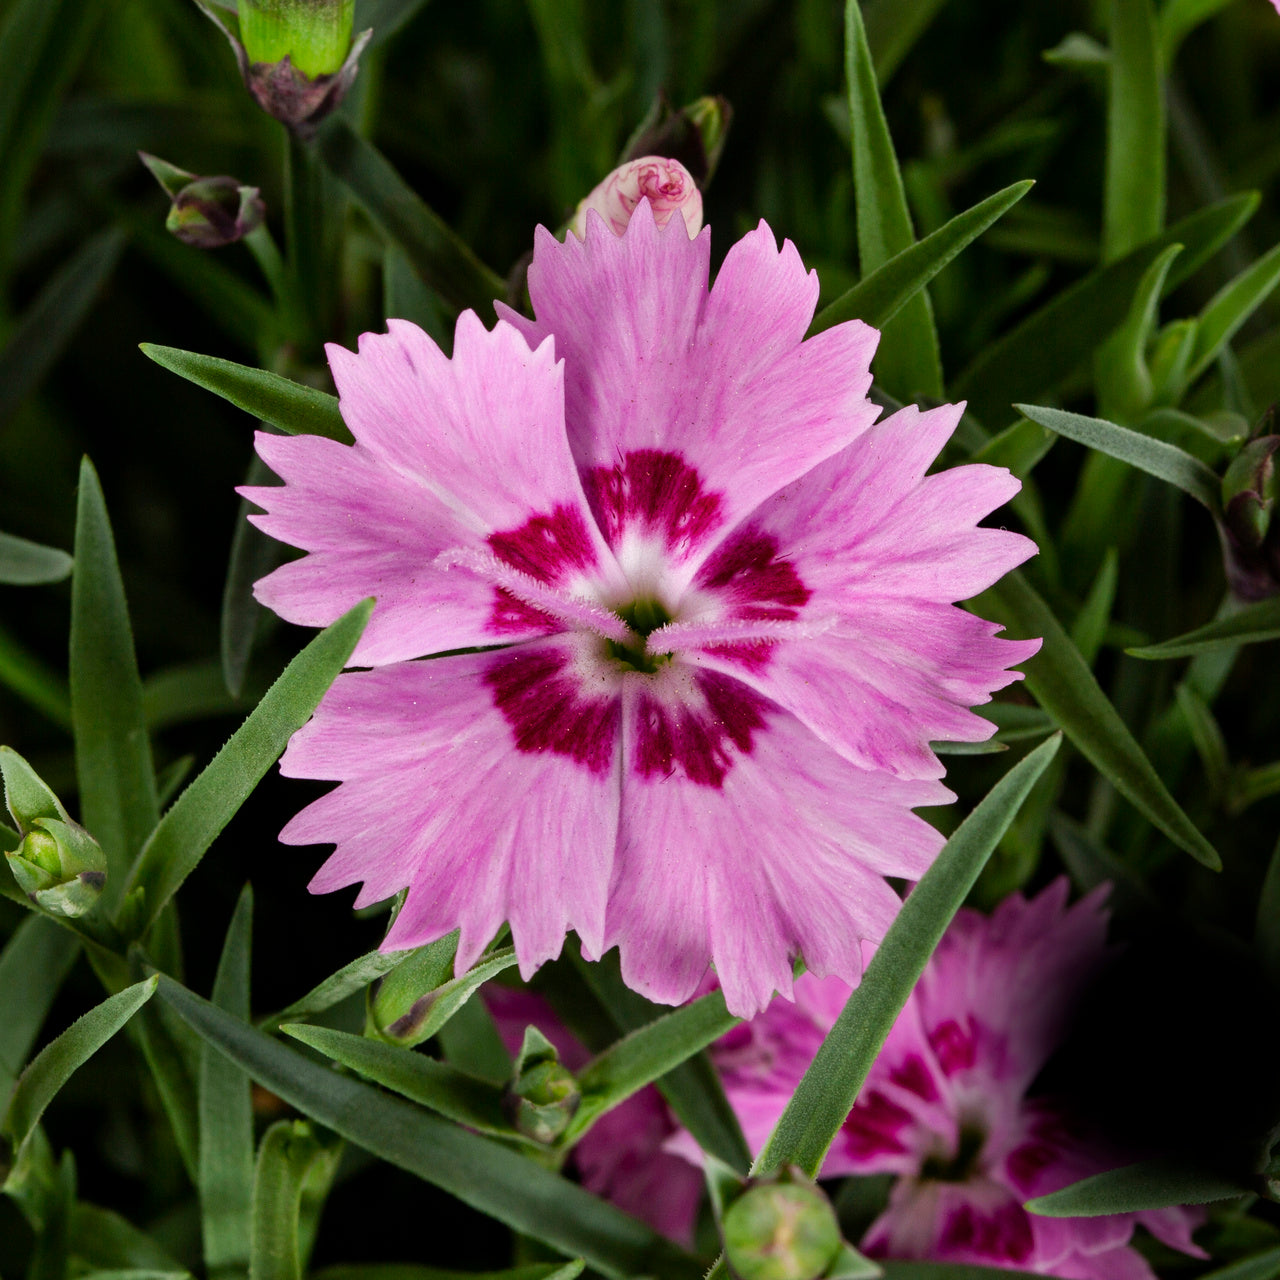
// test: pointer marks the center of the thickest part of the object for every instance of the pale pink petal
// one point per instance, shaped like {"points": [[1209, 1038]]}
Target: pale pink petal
{"points": [[468, 452], [437, 796], [721, 380], [744, 841]]}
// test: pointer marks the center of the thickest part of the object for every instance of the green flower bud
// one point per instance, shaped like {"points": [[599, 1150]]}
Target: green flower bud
{"points": [[315, 35], [206, 212], [296, 57], [785, 1230], [1249, 529], [57, 864], [544, 1095]]}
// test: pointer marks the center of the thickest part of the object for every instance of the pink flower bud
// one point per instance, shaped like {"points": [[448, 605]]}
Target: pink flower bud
{"points": [[667, 184]]}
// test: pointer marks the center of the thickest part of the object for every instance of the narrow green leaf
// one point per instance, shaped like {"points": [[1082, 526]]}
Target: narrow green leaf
{"points": [[1252, 624], [52, 320], [289, 405], [1135, 175], [907, 361], [352, 977], [226, 1114], [406, 1271], [1150, 1184], [829, 1087], [53, 1243], [1206, 736], [1230, 307], [1052, 342], [185, 833], [28, 564], [1164, 461], [54, 1065], [452, 1093], [1018, 447], [174, 1063], [33, 681], [484, 1174], [105, 1240], [1060, 681], [471, 1041], [385, 17], [443, 260], [1258, 1266], [428, 1010], [118, 803], [292, 1161], [645, 1055], [1090, 625], [33, 965], [185, 692], [693, 1089], [882, 294]]}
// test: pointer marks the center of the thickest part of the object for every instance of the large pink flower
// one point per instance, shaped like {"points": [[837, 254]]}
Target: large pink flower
{"points": [[714, 599]]}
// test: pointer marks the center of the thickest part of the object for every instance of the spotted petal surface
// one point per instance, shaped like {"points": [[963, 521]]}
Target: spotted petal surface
{"points": [[711, 609]]}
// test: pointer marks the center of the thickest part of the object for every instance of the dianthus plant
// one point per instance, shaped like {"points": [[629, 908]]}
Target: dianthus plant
{"points": [[696, 608]]}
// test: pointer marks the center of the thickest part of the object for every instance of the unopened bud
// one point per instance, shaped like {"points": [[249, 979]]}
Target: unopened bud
{"points": [[1250, 528], [57, 864], [296, 57], [544, 1095], [785, 1230], [666, 184], [206, 212]]}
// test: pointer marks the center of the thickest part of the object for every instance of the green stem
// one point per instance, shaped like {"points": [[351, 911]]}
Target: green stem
{"points": [[304, 240]]}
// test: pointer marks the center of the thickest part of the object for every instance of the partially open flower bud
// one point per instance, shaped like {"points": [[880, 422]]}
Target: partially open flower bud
{"points": [[785, 1230], [694, 135], [1250, 528], [206, 212], [296, 57], [544, 1095], [57, 864], [666, 184]]}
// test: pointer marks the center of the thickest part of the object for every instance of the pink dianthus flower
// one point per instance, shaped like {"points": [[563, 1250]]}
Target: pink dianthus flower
{"points": [[715, 602]]}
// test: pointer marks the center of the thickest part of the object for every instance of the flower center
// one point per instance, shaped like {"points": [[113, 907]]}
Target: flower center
{"points": [[644, 616], [961, 1166]]}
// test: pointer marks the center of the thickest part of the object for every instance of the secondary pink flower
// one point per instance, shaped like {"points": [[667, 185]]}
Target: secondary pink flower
{"points": [[945, 1106], [715, 604], [666, 184]]}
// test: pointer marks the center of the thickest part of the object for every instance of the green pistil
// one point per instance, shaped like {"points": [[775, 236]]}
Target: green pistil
{"points": [[644, 617], [961, 1166]]}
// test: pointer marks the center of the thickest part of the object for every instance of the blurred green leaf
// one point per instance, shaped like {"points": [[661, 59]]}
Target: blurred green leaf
{"points": [[1135, 174], [882, 294], [470, 1041], [294, 1163], [646, 1054], [693, 1089], [1206, 735], [33, 965], [175, 1068], [118, 803], [454, 1094], [171, 777], [32, 680], [1266, 933], [1150, 1184], [1164, 461], [1251, 624], [53, 1241], [438, 254], [907, 361], [827, 1091], [185, 833], [54, 1065], [1060, 681], [1090, 624], [53, 319], [226, 1114], [289, 405], [27, 564], [893, 27], [386, 17], [1260, 1266], [1018, 447], [1178, 18], [901, 1269], [103, 1239], [1230, 307], [185, 692], [482, 1173], [1055, 340]]}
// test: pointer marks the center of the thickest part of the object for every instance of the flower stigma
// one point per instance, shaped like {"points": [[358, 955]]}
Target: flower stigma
{"points": [[643, 616]]}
